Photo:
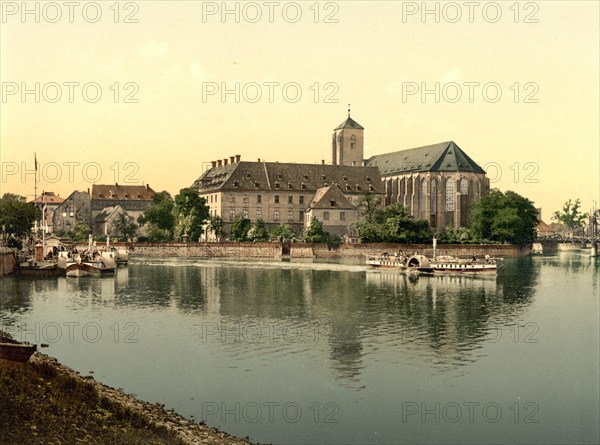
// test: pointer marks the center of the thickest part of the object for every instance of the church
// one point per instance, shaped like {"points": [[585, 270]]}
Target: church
{"points": [[435, 182]]}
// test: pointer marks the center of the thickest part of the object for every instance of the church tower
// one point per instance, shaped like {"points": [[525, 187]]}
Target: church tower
{"points": [[347, 143]]}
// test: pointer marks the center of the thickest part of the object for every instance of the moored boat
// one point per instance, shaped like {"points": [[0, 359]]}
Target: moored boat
{"points": [[15, 351]]}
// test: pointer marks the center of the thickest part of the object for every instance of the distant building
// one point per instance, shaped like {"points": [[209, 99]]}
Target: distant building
{"points": [[110, 200], [330, 206], [436, 182], [74, 209], [48, 202]]}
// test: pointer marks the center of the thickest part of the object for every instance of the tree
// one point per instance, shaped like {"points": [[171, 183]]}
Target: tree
{"points": [[315, 232], [282, 231], [191, 213], [81, 232], [215, 224], [16, 215], [504, 217], [392, 225], [160, 218], [240, 228], [369, 208], [258, 231], [125, 226], [570, 215]]}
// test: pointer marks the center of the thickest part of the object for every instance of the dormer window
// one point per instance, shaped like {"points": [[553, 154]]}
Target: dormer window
{"points": [[139, 196], [368, 180], [126, 195], [279, 176], [306, 177], [256, 185], [371, 188], [303, 186], [290, 186], [276, 185], [358, 187], [236, 184], [323, 177], [348, 188], [332, 203], [248, 175], [345, 178], [100, 195]]}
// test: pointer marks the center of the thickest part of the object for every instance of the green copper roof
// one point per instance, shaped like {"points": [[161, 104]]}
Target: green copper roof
{"points": [[349, 123], [445, 156]]}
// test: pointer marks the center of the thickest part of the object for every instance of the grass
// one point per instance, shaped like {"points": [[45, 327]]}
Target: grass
{"points": [[40, 404]]}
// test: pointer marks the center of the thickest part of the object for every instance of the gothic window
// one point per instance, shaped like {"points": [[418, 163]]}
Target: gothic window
{"points": [[450, 194], [433, 197], [423, 196], [464, 187], [276, 214]]}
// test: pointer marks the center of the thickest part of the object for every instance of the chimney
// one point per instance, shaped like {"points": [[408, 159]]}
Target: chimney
{"points": [[232, 159], [219, 163], [214, 163], [237, 158], [116, 184], [88, 192], [225, 161], [147, 186], [258, 159], [322, 161]]}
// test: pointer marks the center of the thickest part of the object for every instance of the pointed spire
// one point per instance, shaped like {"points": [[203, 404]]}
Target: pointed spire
{"points": [[348, 110]]}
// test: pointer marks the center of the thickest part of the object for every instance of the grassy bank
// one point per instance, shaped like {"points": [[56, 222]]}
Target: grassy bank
{"points": [[44, 402]]}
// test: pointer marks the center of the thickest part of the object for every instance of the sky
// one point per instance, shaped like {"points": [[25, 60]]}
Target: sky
{"points": [[151, 92]]}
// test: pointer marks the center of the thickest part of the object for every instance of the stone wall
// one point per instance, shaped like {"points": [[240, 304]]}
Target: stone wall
{"points": [[306, 250], [8, 262]]}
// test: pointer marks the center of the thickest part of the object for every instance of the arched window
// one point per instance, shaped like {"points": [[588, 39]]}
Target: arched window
{"points": [[450, 194], [433, 197], [423, 198], [352, 142], [464, 186]]}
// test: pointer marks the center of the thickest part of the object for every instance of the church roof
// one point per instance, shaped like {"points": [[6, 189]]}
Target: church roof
{"points": [[330, 197], [280, 176], [349, 123], [445, 156]]}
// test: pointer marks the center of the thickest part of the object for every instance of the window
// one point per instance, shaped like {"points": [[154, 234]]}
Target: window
{"points": [[290, 199], [352, 142], [464, 187], [276, 199], [345, 178], [323, 177], [256, 185], [303, 186], [279, 176], [245, 213], [301, 199], [433, 197], [306, 177], [450, 194], [301, 216], [245, 197], [258, 199], [236, 184], [276, 214], [342, 216], [231, 215], [290, 215], [348, 188], [259, 214], [290, 186], [231, 197], [247, 175], [276, 185], [326, 216], [332, 203], [216, 198]]}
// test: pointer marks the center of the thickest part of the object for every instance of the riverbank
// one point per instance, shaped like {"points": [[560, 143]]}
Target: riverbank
{"points": [[43, 401]]}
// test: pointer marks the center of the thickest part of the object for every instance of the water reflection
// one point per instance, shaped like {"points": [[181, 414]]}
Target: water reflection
{"points": [[352, 310]]}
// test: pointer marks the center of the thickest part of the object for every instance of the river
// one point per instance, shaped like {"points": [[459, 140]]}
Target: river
{"points": [[321, 352]]}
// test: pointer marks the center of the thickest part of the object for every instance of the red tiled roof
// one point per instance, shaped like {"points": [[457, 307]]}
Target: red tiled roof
{"points": [[122, 192]]}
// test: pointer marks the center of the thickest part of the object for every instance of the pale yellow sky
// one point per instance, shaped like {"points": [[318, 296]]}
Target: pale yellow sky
{"points": [[540, 138]]}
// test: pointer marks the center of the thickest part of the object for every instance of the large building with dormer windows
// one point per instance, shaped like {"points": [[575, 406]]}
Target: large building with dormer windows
{"points": [[435, 182]]}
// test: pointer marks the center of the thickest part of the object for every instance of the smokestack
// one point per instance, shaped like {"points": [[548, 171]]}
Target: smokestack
{"points": [[322, 161], [214, 163], [237, 158], [232, 159], [219, 163], [225, 161]]}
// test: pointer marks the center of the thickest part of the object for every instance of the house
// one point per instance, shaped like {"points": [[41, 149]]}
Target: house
{"points": [[48, 202], [76, 208], [330, 206]]}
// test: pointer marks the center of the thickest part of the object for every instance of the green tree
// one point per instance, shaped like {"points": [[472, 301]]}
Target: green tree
{"points": [[282, 231], [215, 224], [392, 225], [240, 228], [504, 217], [258, 231], [570, 215], [160, 217], [81, 232], [17, 216], [191, 213], [125, 226], [315, 232], [369, 208]]}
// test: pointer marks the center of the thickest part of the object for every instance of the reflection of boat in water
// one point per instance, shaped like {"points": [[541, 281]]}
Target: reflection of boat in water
{"points": [[15, 351]]}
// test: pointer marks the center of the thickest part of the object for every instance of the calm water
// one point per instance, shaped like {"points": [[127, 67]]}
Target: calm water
{"points": [[296, 353]]}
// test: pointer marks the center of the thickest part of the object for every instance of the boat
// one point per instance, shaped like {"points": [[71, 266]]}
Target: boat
{"points": [[90, 261], [385, 261], [15, 351]]}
